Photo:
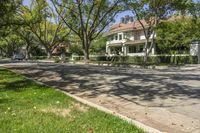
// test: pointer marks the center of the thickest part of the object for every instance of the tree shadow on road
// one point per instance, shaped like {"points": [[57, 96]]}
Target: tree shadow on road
{"points": [[143, 87]]}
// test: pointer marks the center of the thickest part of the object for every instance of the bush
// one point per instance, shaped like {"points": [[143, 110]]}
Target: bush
{"points": [[38, 57], [138, 60], [174, 60]]}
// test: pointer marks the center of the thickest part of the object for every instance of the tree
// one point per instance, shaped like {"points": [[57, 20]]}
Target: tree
{"points": [[3, 45], [29, 39], [152, 12], [76, 49], [10, 44], [175, 35], [7, 12], [87, 18], [98, 45], [44, 24]]}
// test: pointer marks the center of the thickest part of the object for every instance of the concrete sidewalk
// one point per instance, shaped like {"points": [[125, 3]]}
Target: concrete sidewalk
{"points": [[168, 99]]}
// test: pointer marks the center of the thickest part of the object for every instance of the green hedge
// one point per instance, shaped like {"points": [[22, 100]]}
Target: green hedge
{"points": [[43, 57], [152, 60], [38, 57]]}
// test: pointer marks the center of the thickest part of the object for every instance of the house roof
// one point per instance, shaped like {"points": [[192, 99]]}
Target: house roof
{"points": [[129, 25], [121, 27]]}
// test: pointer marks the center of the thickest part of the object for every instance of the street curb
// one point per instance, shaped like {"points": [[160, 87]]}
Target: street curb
{"points": [[101, 108]]}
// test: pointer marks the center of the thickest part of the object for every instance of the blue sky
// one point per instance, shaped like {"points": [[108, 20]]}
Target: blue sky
{"points": [[118, 17]]}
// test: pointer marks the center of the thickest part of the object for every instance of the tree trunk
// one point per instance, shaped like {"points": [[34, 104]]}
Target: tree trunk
{"points": [[48, 51], [27, 53], [1, 52], [145, 52], [148, 49], [49, 54], [86, 46], [145, 58], [86, 54]]}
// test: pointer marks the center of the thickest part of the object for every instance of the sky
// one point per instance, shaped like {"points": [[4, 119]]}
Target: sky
{"points": [[118, 17]]}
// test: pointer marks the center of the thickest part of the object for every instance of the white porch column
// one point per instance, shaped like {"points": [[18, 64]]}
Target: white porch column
{"points": [[125, 50], [108, 50], [153, 50]]}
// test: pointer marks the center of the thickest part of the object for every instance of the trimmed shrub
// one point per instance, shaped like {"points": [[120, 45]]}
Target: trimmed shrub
{"points": [[138, 60], [38, 57]]}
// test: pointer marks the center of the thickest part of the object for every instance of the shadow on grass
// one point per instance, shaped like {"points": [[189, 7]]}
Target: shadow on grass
{"points": [[5, 100], [18, 85]]}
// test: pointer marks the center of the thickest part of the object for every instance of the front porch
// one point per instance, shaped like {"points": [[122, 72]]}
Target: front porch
{"points": [[128, 49]]}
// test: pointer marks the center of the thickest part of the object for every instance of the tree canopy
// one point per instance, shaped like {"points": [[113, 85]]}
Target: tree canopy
{"points": [[175, 35], [87, 18]]}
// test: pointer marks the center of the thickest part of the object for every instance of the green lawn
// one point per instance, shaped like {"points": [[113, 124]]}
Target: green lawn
{"points": [[27, 107]]}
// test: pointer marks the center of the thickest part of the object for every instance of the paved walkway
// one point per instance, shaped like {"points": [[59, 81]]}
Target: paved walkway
{"points": [[168, 100]]}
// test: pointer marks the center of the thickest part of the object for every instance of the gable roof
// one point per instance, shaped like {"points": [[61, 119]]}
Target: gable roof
{"points": [[121, 27], [130, 25]]}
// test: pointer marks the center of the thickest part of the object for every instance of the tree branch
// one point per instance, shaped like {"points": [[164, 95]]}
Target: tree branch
{"points": [[68, 25]]}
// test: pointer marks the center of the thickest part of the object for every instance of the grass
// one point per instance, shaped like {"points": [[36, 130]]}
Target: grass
{"points": [[26, 106]]}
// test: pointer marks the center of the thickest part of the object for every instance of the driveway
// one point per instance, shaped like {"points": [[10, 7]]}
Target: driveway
{"points": [[168, 99]]}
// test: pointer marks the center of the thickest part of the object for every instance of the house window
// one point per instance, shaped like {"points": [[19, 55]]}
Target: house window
{"points": [[128, 36], [132, 49], [111, 38], [140, 49], [120, 37], [116, 37], [137, 35]]}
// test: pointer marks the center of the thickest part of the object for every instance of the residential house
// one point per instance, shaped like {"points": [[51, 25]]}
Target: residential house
{"points": [[127, 38]]}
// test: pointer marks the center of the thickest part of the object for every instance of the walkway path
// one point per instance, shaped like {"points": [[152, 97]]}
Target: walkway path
{"points": [[168, 100]]}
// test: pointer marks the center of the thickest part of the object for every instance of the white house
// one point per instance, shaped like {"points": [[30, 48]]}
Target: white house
{"points": [[126, 38]]}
